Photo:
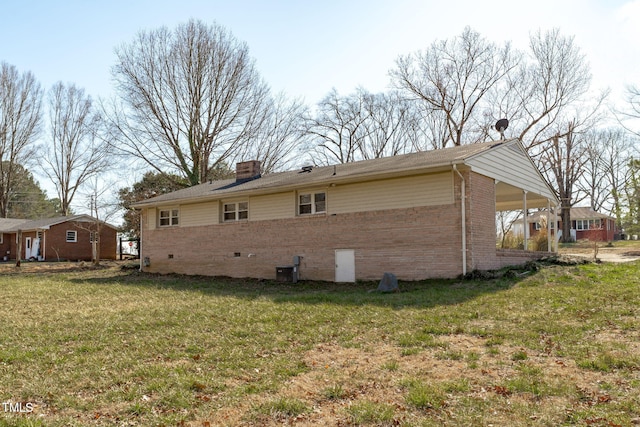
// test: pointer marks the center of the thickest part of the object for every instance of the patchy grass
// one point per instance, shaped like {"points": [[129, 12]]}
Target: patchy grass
{"points": [[105, 346]]}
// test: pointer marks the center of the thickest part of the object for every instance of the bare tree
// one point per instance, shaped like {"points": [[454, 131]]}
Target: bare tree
{"points": [[563, 159], [630, 118], [365, 125], [452, 77], [20, 125], [336, 128], [103, 206], [278, 136], [75, 153], [608, 152], [555, 78], [387, 131], [189, 98]]}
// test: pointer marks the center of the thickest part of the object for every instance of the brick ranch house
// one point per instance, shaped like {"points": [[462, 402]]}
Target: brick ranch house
{"points": [[53, 239], [586, 224], [421, 215]]}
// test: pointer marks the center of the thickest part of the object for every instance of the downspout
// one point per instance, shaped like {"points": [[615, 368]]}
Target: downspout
{"points": [[463, 193], [140, 242], [549, 225]]}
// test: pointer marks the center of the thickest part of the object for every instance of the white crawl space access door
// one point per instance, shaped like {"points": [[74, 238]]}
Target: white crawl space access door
{"points": [[345, 265]]}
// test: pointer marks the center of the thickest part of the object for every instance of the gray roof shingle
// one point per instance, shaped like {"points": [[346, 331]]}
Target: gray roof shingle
{"points": [[9, 225], [421, 161]]}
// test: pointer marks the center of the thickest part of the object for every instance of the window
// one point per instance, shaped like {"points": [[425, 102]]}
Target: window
{"points": [[312, 203], [72, 236], [168, 217], [236, 211], [1, 238], [588, 224]]}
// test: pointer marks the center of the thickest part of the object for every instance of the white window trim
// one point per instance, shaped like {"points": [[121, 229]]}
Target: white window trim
{"points": [[75, 236], [1, 238], [313, 203], [174, 220], [236, 211], [588, 224]]}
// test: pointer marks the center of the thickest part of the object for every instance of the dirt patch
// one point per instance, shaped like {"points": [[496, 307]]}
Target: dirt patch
{"points": [[339, 378], [36, 267]]}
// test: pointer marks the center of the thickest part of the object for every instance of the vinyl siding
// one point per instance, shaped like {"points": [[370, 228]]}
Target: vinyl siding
{"points": [[196, 214], [397, 193], [511, 166], [272, 206], [152, 218]]}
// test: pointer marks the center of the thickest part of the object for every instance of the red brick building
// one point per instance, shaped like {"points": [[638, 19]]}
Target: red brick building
{"points": [[421, 215], [71, 238], [586, 224]]}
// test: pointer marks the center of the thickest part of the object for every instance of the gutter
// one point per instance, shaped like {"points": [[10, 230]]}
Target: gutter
{"points": [[464, 219]]}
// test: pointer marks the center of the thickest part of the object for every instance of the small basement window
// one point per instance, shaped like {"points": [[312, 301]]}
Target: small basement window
{"points": [[312, 203], [236, 211], [169, 217], [72, 236]]}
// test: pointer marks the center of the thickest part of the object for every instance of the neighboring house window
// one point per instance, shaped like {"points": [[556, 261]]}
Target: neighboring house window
{"points": [[312, 203], [168, 217], [72, 236], [1, 238], [236, 211], [588, 224]]}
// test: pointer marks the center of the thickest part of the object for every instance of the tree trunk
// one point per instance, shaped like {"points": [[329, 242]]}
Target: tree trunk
{"points": [[19, 254], [565, 215]]}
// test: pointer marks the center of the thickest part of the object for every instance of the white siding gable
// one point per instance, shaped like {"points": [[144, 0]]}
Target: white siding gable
{"points": [[511, 165]]}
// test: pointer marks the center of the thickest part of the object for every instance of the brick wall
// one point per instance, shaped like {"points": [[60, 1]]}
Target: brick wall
{"points": [[56, 242], [509, 257], [413, 243], [481, 222], [6, 245]]}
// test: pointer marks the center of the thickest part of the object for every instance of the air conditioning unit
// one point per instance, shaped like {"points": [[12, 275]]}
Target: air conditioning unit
{"points": [[287, 274]]}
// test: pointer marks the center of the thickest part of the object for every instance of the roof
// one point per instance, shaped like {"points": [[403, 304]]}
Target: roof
{"points": [[10, 225], [395, 166], [584, 212]]}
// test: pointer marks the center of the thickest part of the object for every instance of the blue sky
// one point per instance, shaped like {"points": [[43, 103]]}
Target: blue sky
{"points": [[305, 48]]}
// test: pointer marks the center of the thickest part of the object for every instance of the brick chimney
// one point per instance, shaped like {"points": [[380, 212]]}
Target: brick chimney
{"points": [[246, 171]]}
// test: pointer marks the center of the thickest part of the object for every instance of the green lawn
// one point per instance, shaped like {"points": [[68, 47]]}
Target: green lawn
{"points": [[560, 346]]}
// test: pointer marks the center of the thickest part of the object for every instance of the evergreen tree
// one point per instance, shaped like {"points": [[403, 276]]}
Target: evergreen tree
{"points": [[151, 185], [27, 200]]}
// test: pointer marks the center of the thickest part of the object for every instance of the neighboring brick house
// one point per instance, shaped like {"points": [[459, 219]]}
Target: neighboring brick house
{"points": [[401, 214], [53, 239], [586, 224]]}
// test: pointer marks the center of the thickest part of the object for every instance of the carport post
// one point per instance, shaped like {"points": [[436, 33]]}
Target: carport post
{"points": [[524, 216], [555, 221], [548, 225]]}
